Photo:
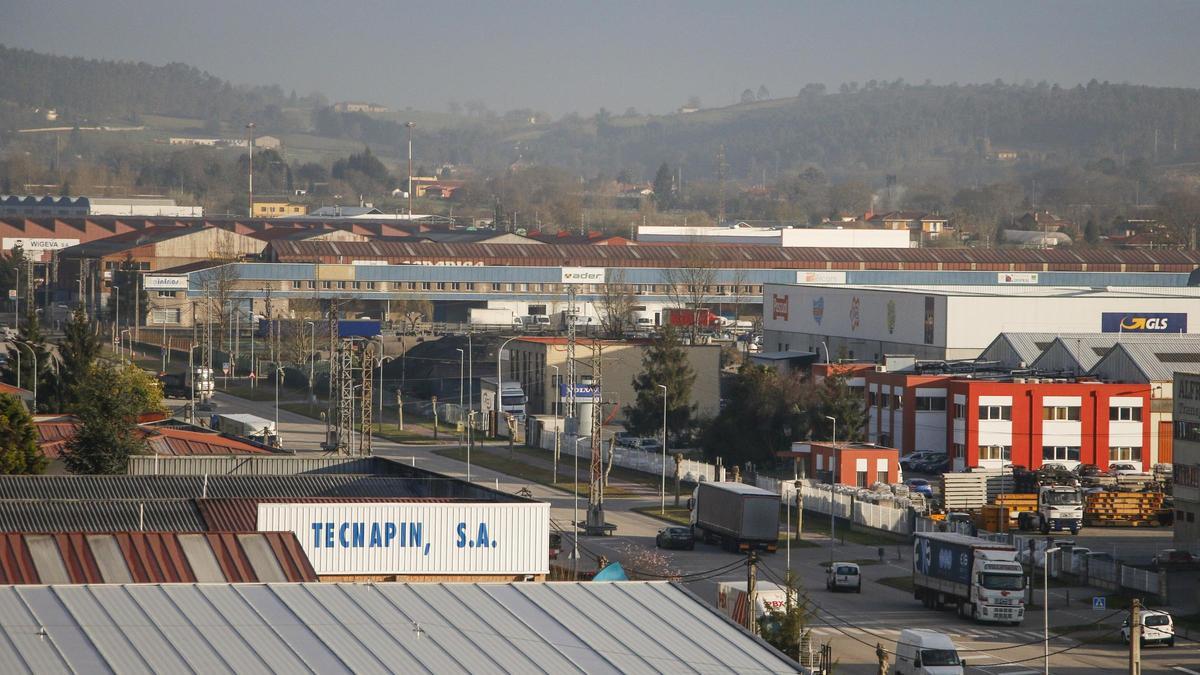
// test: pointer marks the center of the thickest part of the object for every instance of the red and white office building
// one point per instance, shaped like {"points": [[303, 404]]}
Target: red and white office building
{"points": [[1024, 421]]}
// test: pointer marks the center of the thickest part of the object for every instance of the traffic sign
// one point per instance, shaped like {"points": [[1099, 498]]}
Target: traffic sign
{"points": [[1099, 603], [252, 375], [225, 367]]}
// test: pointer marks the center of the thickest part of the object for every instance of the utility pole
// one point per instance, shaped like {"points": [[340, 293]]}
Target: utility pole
{"points": [[1135, 637], [751, 578], [720, 184], [250, 172], [409, 126]]}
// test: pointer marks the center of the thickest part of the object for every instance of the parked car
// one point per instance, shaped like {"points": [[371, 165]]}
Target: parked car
{"points": [[1157, 626], [1171, 556], [920, 485], [936, 466], [1121, 468], [843, 575], [909, 461], [675, 537]]}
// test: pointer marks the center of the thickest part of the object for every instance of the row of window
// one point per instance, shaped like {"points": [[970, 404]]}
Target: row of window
{"points": [[1004, 412], [1049, 453], [1187, 431], [498, 287]]}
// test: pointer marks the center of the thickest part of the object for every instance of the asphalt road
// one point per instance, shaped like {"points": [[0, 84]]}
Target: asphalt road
{"points": [[852, 623]]}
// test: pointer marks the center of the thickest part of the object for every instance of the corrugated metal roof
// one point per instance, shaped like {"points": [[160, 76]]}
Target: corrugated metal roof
{"points": [[41, 515], [265, 465], [167, 441], [620, 627], [241, 515], [116, 488], [152, 557], [1157, 360]]}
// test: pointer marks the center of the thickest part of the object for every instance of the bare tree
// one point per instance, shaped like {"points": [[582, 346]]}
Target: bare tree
{"points": [[218, 283], [617, 301], [413, 311], [690, 285], [739, 283]]}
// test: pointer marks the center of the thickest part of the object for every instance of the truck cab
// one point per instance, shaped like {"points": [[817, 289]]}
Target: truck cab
{"points": [[1060, 507]]}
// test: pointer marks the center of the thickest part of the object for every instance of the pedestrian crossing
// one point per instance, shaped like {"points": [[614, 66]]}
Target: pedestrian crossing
{"points": [[958, 633]]}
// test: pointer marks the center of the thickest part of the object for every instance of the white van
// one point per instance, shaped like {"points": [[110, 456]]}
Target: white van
{"points": [[843, 575], [921, 651], [1157, 626]]}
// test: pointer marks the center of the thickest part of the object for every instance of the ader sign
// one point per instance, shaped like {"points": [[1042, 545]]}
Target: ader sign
{"points": [[1144, 322]]}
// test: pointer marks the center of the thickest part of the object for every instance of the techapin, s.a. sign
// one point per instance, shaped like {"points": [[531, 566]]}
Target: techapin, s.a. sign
{"points": [[1143, 322], [417, 538]]}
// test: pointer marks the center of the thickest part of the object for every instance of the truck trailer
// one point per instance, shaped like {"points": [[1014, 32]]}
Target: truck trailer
{"points": [[981, 579], [739, 517], [252, 427], [486, 316], [768, 598]]}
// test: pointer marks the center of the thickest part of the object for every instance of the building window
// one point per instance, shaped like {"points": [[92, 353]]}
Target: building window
{"points": [[1060, 453], [995, 412], [1187, 431], [884, 400], [295, 283], [1124, 454], [441, 285], [357, 285], [870, 398], [958, 450], [960, 411], [425, 285], [455, 286], [898, 401], [370, 285], [925, 403], [862, 479], [326, 284], [341, 285], [166, 294], [312, 285], [1125, 413], [1061, 413], [495, 287], [1000, 452], [881, 477]]}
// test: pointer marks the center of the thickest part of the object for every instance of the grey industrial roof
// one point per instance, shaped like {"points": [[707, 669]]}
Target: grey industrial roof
{"points": [[106, 488], [1026, 346], [1158, 360], [40, 515], [623, 627]]}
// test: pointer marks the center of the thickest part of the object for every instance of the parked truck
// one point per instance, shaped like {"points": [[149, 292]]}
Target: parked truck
{"points": [[512, 400], [683, 317], [981, 579], [251, 427], [768, 597], [198, 383], [1059, 507], [486, 316], [739, 517]]}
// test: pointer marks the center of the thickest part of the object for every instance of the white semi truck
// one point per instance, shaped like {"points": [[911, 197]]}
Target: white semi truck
{"points": [[1059, 507], [979, 578], [252, 427]]}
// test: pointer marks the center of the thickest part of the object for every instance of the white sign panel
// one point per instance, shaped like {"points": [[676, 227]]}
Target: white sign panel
{"points": [[417, 538], [158, 282], [803, 277], [1016, 277], [372, 263], [28, 244], [582, 275]]}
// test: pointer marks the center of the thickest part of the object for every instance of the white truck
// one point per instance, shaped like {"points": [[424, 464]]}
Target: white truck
{"points": [[486, 316], [980, 578], [731, 600], [1059, 507], [252, 427], [512, 402]]}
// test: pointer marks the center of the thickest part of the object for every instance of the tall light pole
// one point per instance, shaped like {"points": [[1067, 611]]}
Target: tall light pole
{"points": [[121, 343], [35, 370], [557, 431], [662, 491], [575, 520], [278, 384], [312, 360], [382, 360], [409, 126], [250, 171], [117, 318], [832, 487], [462, 369], [500, 384], [1046, 606]]}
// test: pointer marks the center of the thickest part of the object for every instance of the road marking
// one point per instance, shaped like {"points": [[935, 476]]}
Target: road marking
{"points": [[1189, 671]]}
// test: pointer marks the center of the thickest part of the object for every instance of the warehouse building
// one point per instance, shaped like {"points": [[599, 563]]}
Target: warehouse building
{"points": [[629, 627], [742, 233], [1186, 489], [28, 206], [392, 523], [936, 322]]}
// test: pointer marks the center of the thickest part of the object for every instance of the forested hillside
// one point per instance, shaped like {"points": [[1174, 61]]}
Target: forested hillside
{"points": [[99, 90]]}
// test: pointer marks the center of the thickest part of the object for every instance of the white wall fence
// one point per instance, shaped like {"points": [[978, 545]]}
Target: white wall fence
{"points": [[628, 458], [1089, 569]]}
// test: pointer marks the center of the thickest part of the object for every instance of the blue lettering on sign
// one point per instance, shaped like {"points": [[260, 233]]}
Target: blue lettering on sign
{"points": [[358, 534], [1143, 322]]}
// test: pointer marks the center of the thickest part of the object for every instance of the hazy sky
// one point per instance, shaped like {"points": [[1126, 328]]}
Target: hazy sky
{"points": [[572, 56]]}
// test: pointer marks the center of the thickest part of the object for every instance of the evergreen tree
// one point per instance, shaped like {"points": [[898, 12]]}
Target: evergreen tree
{"points": [[109, 403], [1091, 233], [835, 399], [77, 351], [19, 453], [31, 339], [133, 298], [764, 414], [783, 629], [664, 188], [664, 362]]}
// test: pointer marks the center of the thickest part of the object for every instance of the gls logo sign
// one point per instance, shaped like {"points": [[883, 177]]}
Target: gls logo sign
{"points": [[1149, 322]]}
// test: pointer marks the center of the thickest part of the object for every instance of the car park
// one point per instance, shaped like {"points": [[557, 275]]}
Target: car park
{"points": [[1157, 627], [675, 537], [843, 575]]}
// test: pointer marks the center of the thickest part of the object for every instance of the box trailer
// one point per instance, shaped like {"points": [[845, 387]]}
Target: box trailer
{"points": [[739, 517], [981, 579]]}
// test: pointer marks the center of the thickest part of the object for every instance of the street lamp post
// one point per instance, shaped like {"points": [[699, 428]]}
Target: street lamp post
{"points": [[662, 491], [575, 521], [1046, 606], [382, 360], [117, 318], [409, 126], [278, 384], [462, 369], [121, 343], [557, 431], [35, 369], [500, 384], [312, 360], [832, 487]]}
